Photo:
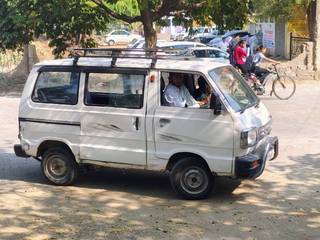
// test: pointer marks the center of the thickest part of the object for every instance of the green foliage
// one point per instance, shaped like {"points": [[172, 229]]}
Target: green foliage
{"points": [[66, 23], [279, 9], [14, 27], [230, 14], [70, 23]]}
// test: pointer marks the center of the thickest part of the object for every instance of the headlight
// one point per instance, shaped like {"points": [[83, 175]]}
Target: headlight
{"points": [[248, 138]]}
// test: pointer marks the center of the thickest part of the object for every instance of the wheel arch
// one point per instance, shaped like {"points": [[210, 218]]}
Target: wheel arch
{"points": [[181, 155], [54, 143]]}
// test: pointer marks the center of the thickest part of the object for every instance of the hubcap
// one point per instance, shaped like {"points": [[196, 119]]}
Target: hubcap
{"points": [[57, 167], [194, 180]]}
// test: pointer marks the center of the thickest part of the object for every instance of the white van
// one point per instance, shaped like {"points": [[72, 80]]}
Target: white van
{"points": [[110, 111]]}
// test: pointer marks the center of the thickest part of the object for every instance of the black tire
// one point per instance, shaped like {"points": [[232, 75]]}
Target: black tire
{"points": [[59, 166], [191, 171], [284, 87], [111, 42]]}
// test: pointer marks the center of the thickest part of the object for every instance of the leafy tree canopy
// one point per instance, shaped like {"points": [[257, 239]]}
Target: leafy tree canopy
{"points": [[71, 22]]}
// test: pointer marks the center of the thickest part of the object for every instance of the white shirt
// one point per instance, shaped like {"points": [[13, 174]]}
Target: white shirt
{"points": [[258, 57], [179, 97]]}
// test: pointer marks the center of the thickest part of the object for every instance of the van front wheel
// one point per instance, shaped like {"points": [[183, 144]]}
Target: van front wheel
{"points": [[59, 167], [191, 179]]}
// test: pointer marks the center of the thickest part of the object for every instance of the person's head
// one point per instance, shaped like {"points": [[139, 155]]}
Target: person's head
{"points": [[261, 49], [176, 79], [242, 43]]}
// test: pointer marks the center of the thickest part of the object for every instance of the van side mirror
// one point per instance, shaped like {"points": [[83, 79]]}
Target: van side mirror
{"points": [[215, 104]]}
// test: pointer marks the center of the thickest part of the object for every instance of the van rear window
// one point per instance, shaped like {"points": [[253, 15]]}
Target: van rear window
{"points": [[57, 88], [114, 90]]}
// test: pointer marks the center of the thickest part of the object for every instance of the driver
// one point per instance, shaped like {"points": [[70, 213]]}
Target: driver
{"points": [[177, 95]]}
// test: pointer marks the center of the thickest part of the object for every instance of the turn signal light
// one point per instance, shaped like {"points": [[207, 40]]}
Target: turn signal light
{"points": [[255, 163]]}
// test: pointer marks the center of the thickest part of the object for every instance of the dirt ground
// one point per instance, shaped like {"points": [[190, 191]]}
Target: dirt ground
{"points": [[284, 203]]}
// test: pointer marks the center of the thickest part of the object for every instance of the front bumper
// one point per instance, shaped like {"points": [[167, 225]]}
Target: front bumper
{"points": [[252, 165], [18, 150]]}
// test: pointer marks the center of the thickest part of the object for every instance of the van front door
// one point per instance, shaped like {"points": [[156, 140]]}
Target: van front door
{"points": [[113, 118], [195, 130]]}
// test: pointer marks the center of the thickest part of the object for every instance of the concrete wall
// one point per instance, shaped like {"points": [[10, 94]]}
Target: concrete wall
{"points": [[282, 40]]}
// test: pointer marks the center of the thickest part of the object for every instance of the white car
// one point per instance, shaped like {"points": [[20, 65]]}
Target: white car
{"points": [[212, 53], [116, 112], [121, 37], [180, 45], [222, 42]]}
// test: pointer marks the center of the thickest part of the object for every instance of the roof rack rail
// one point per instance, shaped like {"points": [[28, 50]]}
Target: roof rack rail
{"points": [[114, 53]]}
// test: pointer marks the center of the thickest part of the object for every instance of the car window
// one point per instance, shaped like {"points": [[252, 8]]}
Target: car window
{"points": [[114, 90], [115, 33], [195, 92], [181, 47], [237, 92], [217, 54], [243, 34], [200, 53], [57, 88], [124, 33]]}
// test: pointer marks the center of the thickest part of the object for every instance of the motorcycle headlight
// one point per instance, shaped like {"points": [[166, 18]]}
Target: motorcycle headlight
{"points": [[248, 138]]}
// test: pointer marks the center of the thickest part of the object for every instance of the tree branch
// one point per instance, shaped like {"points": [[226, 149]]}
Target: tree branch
{"points": [[112, 13], [175, 8]]}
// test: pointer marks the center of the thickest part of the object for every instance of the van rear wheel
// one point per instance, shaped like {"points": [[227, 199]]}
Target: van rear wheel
{"points": [[59, 166], [191, 179]]}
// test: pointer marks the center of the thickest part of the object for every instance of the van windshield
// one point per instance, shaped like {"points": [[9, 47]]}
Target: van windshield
{"points": [[237, 92]]}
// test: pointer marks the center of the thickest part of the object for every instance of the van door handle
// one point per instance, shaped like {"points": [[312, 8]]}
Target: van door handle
{"points": [[164, 121], [136, 123]]}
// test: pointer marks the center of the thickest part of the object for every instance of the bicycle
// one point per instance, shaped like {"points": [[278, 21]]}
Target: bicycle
{"points": [[281, 85]]}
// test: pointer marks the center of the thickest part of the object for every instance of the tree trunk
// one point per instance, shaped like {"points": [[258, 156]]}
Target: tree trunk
{"points": [[316, 37], [311, 17], [150, 33]]}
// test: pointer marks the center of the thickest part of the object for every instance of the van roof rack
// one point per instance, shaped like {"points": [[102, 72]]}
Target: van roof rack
{"points": [[151, 53]]}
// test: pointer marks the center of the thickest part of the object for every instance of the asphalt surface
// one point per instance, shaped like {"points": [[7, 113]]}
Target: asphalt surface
{"points": [[284, 203]]}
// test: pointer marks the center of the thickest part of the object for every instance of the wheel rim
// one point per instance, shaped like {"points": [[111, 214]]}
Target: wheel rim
{"points": [[284, 87], [56, 168], [194, 180]]}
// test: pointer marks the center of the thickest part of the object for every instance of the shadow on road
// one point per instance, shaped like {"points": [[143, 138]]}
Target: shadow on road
{"points": [[141, 182], [116, 204]]}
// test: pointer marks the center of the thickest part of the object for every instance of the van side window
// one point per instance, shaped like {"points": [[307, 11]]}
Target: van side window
{"points": [[184, 90], [114, 90], [57, 88]]}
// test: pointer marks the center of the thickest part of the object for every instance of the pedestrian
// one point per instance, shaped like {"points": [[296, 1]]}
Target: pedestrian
{"points": [[240, 57]]}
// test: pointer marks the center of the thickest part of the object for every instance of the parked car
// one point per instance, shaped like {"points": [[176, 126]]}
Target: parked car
{"points": [[219, 42], [181, 36], [111, 112], [141, 43], [135, 42], [234, 33], [212, 53], [121, 37], [179, 45]]}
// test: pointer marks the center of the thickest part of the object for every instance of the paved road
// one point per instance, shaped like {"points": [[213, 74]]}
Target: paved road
{"points": [[284, 203]]}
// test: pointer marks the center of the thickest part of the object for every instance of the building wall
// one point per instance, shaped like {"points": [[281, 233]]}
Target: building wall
{"points": [[282, 40], [275, 36]]}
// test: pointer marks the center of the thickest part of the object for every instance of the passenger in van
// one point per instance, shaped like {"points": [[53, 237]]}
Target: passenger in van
{"points": [[177, 95], [203, 93]]}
